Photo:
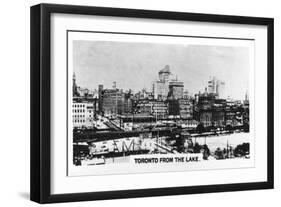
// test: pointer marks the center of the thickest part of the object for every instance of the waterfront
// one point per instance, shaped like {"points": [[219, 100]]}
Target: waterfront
{"points": [[120, 150], [222, 141]]}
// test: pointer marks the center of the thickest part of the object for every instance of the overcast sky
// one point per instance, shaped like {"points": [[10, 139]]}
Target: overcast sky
{"points": [[135, 65]]}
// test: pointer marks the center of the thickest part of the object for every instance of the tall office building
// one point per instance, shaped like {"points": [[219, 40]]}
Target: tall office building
{"points": [[161, 86], [164, 74], [212, 85], [175, 89], [217, 87]]}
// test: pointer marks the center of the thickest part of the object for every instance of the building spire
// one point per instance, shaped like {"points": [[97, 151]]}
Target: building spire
{"points": [[74, 86], [246, 96]]}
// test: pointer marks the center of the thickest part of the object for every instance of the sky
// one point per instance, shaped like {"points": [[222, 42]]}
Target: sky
{"points": [[135, 65]]}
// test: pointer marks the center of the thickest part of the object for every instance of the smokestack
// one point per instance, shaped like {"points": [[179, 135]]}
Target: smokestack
{"points": [[114, 85]]}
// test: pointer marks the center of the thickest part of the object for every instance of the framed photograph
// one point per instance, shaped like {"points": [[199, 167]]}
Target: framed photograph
{"points": [[132, 103]]}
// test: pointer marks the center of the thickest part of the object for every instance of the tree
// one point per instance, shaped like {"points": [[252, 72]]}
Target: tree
{"points": [[180, 144], [219, 153], [206, 152], [246, 127], [200, 128], [196, 148], [229, 128], [242, 150]]}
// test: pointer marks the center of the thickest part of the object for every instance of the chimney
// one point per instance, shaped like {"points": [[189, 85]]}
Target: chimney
{"points": [[114, 85]]}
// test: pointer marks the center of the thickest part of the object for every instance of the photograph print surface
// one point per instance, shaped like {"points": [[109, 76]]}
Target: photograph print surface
{"points": [[142, 103]]}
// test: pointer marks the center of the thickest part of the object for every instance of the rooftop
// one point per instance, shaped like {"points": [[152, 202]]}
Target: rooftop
{"points": [[166, 69]]}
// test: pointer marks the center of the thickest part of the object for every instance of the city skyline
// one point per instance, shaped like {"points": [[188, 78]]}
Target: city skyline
{"points": [[98, 59], [112, 125]]}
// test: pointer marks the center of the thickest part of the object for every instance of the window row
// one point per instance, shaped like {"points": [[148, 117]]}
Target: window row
{"points": [[77, 121], [80, 121], [78, 116], [81, 111], [78, 106], [78, 110]]}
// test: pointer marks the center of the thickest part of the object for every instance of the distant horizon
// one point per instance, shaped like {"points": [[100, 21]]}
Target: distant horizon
{"points": [[138, 64]]}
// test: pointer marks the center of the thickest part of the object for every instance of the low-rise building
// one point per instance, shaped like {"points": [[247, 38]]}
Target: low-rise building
{"points": [[211, 111], [159, 109], [115, 101], [173, 108], [82, 113], [156, 108], [186, 108]]}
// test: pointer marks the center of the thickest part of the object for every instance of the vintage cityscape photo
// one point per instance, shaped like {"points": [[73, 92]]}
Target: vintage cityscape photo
{"points": [[147, 103]]}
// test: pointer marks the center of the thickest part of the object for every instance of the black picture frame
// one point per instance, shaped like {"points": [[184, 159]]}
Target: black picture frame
{"points": [[41, 96]]}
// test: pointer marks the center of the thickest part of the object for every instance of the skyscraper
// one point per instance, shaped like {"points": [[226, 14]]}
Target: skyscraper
{"points": [[217, 87], [175, 89], [164, 74], [220, 89], [212, 85], [161, 86]]}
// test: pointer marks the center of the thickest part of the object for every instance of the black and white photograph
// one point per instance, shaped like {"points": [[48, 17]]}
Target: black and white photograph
{"points": [[142, 103], [130, 103]]}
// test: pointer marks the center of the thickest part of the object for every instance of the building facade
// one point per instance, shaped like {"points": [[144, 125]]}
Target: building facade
{"points": [[175, 89], [211, 111], [173, 108], [82, 114], [216, 86], [161, 86], [159, 109], [156, 108], [186, 108], [115, 101]]}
